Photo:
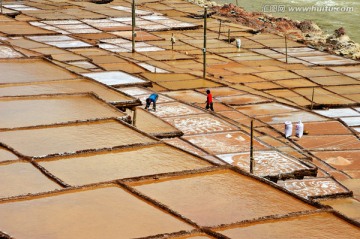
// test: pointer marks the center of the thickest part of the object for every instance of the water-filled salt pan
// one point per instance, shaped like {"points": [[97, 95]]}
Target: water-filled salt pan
{"points": [[124, 163], [221, 197], [70, 138], [40, 110], [100, 213], [322, 225], [114, 78], [23, 178]]}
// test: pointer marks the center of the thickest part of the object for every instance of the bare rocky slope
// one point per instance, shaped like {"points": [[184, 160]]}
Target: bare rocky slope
{"points": [[306, 32]]}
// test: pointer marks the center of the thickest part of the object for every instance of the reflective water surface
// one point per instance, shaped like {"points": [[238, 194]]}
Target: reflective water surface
{"points": [[85, 215], [31, 111], [126, 163], [31, 71], [23, 178], [72, 137], [323, 225], [68, 86], [221, 197]]}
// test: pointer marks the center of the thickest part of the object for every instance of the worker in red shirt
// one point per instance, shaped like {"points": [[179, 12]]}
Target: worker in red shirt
{"points": [[209, 100]]}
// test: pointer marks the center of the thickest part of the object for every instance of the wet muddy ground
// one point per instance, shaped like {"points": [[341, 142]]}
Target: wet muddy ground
{"points": [[74, 155]]}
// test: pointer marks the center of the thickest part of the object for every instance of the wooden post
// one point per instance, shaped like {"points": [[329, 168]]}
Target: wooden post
{"points": [[134, 117], [286, 49], [133, 25], [219, 30], [229, 35], [237, 3], [312, 98], [252, 147], [172, 41], [204, 49]]}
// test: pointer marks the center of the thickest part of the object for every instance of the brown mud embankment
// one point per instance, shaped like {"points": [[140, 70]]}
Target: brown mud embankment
{"points": [[305, 32]]}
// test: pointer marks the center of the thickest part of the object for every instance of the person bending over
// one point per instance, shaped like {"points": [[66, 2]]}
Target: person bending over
{"points": [[152, 98]]}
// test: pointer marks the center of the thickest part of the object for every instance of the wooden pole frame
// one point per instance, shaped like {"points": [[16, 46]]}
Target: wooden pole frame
{"points": [[252, 147], [133, 23], [204, 49], [172, 41], [286, 49], [312, 98], [219, 29], [229, 36], [134, 117]]}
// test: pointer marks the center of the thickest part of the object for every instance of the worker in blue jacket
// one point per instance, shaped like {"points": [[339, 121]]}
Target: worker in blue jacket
{"points": [[152, 98]]}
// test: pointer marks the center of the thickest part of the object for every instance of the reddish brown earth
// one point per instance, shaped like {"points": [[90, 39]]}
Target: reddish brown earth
{"points": [[305, 32]]}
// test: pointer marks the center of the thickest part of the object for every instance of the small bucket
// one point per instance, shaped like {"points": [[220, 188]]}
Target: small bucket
{"points": [[238, 43], [299, 129], [288, 129]]}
